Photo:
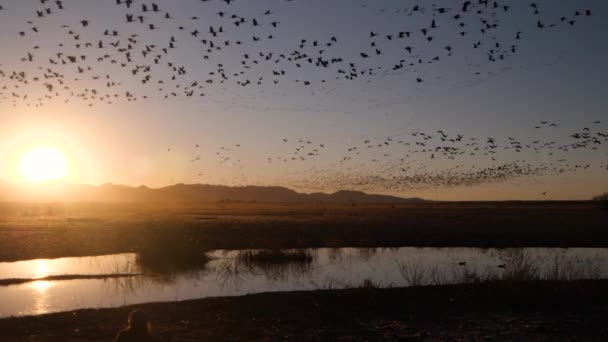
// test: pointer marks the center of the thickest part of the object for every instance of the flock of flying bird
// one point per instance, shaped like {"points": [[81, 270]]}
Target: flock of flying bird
{"points": [[100, 63], [418, 160]]}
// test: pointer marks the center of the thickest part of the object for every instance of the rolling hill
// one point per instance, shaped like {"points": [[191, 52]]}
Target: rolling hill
{"points": [[190, 193]]}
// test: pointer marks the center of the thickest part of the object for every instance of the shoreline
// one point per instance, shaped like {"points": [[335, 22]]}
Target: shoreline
{"points": [[555, 310], [19, 281]]}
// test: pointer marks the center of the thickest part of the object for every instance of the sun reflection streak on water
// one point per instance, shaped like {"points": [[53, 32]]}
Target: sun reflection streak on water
{"points": [[40, 288], [42, 269], [233, 273]]}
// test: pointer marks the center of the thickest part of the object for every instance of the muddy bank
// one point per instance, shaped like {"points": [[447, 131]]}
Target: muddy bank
{"points": [[17, 281], [499, 311]]}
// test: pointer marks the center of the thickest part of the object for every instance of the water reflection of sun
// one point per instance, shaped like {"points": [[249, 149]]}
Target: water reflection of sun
{"points": [[41, 286], [42, 269], [40, 296]]}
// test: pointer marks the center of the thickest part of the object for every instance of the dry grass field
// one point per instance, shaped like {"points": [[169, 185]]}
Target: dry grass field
{"points": [[56, 230]]}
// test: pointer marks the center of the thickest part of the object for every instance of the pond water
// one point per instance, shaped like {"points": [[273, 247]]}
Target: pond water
{"points": [[233, 273]]}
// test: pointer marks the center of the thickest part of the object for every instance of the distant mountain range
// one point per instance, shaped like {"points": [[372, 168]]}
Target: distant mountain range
{"points": [[190, 193]]}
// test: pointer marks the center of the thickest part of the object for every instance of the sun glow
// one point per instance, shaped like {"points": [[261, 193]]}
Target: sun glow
{"points": [[43, 163]]}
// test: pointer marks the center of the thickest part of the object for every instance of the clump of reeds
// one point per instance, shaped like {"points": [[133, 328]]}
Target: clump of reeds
{"points": [[157, 261], [275, 264], [602, 200], [369, 284], [414, 273], [165, 251], [516, 266], [275, 257]]}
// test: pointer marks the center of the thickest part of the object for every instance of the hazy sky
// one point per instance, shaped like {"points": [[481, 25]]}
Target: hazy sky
{"points": [[557, 75]]}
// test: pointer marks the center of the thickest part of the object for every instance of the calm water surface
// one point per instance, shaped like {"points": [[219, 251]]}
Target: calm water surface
{"points": [[228, 275]]}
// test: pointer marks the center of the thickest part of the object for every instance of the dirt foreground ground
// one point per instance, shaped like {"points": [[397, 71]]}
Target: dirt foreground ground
{"points": [[534, 311]]}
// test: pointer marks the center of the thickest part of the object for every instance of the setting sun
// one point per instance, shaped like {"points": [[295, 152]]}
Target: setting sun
{"points": [[43, 163]]}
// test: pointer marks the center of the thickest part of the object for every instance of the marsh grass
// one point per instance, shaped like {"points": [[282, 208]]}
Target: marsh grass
{"points": [[562, 268], [275, 264], [275, 257], [517, 265], [272, 264], [169, 264], [602, 200], [32, 231], [168, 257], [231, 272], [414, 273], [370, 284]]}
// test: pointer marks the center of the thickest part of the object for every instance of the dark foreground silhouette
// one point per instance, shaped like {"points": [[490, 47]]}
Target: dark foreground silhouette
{"points": [[527, 311], [138, 329]]}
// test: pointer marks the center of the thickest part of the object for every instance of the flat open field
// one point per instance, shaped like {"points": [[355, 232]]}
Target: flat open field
{"points": [[30, 231], [498, 310], [529, 311]]}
